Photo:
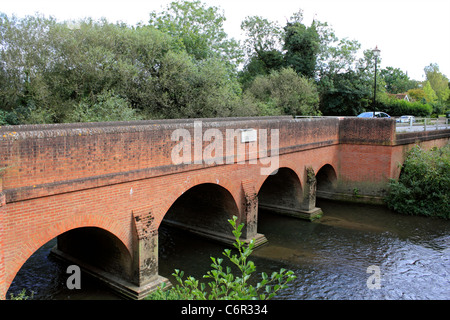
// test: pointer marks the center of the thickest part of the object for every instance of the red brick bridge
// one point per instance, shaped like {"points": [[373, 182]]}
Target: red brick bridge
{"points": [[103, 189]]}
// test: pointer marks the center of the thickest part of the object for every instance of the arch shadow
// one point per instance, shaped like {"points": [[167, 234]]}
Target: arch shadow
{"points": [[326, 181], [87, 247], [204, 209], [282, 189], [114, 235]]}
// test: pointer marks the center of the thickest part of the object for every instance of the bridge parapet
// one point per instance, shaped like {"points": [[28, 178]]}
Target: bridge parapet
{"points": [[50, 159], [366, 131]]}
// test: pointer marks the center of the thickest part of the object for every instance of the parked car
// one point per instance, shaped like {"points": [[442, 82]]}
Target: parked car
{"points": [[406, 119], [378, 114]]}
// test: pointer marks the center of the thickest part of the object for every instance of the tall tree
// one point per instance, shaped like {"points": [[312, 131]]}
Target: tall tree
{"points": [[284, 92], [438, 82], [262, 47], [198, 29], [396, 80], [430, 94], [261, 35], [302, 46], [335, 55]]}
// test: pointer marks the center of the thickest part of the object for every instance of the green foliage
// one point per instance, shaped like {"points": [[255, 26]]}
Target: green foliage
{"points": [[262, 46], [198, 30], [302, 45], [182, 64], [99, 71], [424, 184], [398, 107], [397, 81], [261, 35], [344, 94], [438, 82], [22, 295], [183, 87], [223, 284], [430, 94], [263, 63], [106, 107], [417, 94], [3, 117], [284, 92]]}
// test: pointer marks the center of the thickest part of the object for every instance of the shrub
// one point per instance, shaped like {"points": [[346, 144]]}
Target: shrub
{"points": [[424, 184], [224, 285], [22, 295], [106, 107], [3, 117], [284, 92], [396, 107]]}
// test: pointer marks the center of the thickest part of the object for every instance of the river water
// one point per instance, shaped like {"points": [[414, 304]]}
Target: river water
{"points": [[354, 252]]}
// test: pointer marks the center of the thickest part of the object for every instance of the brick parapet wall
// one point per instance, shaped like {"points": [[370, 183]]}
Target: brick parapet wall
{"points": [[366, 131], [51, 159], [420, 136]]}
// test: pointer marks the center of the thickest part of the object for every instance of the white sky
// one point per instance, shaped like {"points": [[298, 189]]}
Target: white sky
{"points": [[411, 34]]}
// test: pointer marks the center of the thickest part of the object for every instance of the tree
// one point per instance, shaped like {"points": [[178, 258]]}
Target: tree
{"points": [[262, 35], [350, 91], [438, 82], [262, 63], [417, 94], [345, 83], [284, 92], [396, 80], [24, 53], [302, 47], [335, 55], [345, 94], [199, 30], [107, 107], [430, 94], [263, 48], [100, 71]]}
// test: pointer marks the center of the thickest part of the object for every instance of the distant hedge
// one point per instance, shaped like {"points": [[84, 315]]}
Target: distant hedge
{"points": [[396, 107]]}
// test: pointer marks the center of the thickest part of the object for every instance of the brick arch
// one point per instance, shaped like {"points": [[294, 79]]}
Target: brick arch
{"points": [[326, 177], [233, 189], [41, 237], [321, 164], [282, 190], [286, 164]]}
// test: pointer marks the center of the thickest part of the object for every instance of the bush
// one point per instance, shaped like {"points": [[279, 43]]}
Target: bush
{"points": [[3, 117], [424, 184], [284, 92], [106, 107], [22, 295], [396, 107], [224, 285]]}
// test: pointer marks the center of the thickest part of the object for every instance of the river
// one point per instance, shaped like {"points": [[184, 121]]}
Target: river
{"points": [[345, 255]]}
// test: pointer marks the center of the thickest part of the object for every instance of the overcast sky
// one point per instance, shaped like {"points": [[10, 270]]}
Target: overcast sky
{"points": [[411, 34]]}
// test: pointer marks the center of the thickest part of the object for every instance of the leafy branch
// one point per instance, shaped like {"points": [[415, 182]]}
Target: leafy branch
{"points": [[224, 285]]}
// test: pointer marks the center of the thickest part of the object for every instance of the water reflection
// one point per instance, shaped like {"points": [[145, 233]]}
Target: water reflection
{"points": [[330, 257]]}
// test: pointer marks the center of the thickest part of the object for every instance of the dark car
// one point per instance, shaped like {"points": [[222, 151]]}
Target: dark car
{"points": [[370, 114]]}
